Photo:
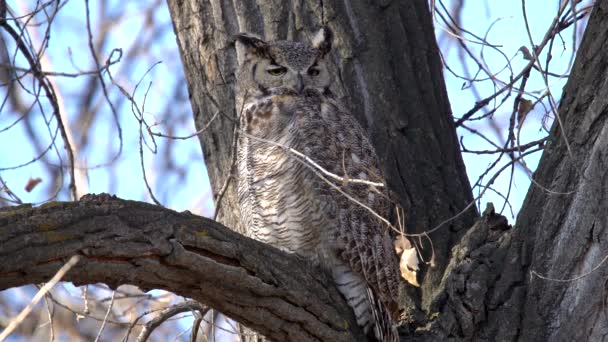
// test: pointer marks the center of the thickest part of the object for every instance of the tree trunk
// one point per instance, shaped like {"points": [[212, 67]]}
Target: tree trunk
{"points": [[564, 233], [389, 71]]}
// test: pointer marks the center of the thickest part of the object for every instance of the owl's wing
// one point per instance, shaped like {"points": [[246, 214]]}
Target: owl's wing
{"points": [[363, 239]]}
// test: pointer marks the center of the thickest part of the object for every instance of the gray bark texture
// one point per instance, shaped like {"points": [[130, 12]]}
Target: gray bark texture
{"points": [[564, 236]]}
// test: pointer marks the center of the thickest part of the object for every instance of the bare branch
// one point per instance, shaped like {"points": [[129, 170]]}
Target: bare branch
{"points": [[56, 278], [168, 313], [34, 62]]}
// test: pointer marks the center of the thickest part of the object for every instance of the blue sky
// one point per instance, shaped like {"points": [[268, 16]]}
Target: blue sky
{"points": [[502, 23]]}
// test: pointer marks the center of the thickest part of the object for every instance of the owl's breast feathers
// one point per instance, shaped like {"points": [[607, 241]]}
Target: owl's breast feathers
{"points": [[292, 204]]}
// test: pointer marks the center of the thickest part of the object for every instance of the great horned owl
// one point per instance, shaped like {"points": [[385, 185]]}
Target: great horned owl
{"points": [[290, 121]]}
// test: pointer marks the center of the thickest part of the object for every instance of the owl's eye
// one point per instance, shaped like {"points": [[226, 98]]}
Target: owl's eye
{"points": [[276, 70], [313, 72]]}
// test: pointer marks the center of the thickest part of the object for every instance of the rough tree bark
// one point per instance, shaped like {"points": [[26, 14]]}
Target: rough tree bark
{"points": [[564, 235]]}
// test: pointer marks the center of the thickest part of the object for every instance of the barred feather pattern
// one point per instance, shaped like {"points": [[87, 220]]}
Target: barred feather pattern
{"points": [[288, 203]]}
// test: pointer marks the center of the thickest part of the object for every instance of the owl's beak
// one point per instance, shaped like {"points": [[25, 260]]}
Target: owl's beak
{"points": [[299, 83]]}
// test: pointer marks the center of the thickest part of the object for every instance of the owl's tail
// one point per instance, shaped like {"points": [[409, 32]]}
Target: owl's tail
{"points": [[384, 330]]}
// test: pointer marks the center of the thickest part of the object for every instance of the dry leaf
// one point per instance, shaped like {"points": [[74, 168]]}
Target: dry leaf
{"points": [[31, 184], [525, 106], [527, 55], [409, 266], [408, 263]]}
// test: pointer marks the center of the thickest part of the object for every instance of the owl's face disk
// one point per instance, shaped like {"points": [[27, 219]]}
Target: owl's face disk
{"points": [[288, 65]]}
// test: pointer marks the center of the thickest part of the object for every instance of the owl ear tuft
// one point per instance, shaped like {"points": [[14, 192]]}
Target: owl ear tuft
{"points": [[322, 40], [253, 45]]}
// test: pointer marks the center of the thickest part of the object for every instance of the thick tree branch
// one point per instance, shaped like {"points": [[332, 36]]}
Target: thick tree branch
{"points": [[279, 295], [477, 284], [127, 242]]}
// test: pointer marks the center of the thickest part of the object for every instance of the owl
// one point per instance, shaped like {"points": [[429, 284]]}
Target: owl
{"points": [[305, 174]]}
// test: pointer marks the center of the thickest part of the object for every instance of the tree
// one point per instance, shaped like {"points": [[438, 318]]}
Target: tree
{"points": [[540, 280]]}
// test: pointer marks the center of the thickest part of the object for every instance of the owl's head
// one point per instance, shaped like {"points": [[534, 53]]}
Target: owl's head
{"points": [[285, 65]]}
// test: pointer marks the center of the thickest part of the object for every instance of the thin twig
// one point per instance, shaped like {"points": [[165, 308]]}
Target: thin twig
{"points": [[536, 60], [50, 93], [195, 327], [199, 132], [344, 180], [39, 295], [105, 318], [102, 82], [168, 313], [49, 312], [568, 280]]}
